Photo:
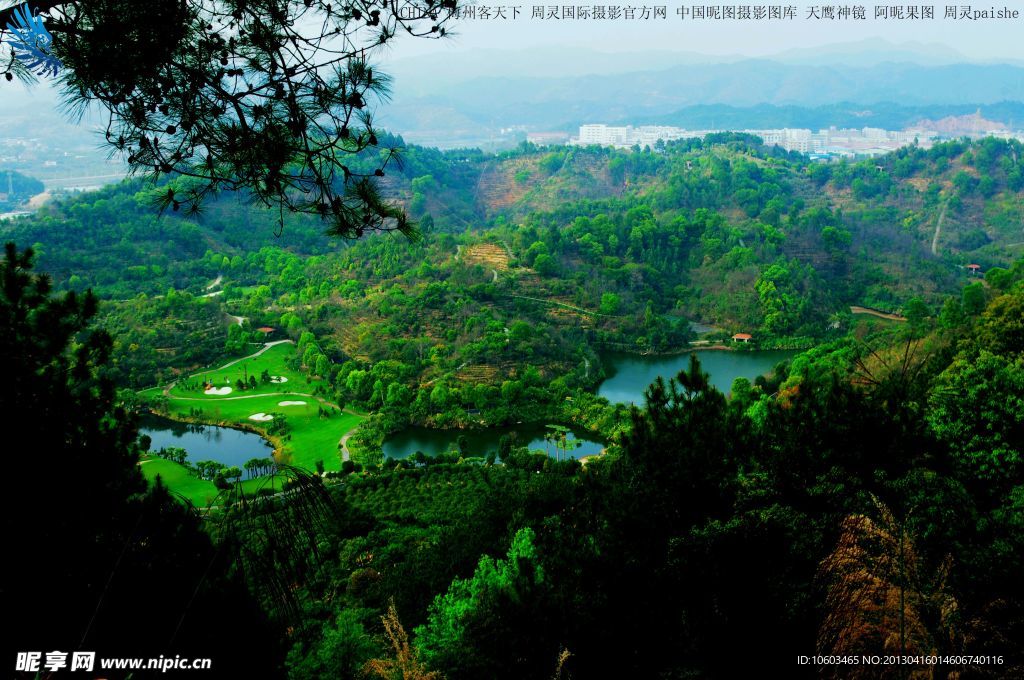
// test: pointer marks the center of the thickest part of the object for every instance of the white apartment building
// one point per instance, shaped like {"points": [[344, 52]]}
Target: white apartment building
{"points": [[789, 139], [627, 136]]}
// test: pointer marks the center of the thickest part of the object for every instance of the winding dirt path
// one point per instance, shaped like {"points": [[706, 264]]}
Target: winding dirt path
{"points": [[208, 400], [938, 229], [557, 304], [266, 346], [343, 443], [874, 312]]}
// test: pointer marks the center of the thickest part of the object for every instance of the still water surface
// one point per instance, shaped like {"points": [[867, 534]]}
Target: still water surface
{"points": [[481, 442], [629, 374], [629, 377], [205, 442]]}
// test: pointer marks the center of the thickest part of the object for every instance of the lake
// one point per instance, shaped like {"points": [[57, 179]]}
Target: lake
{"points": [[629, 374], [205, 442], [480, 442], [629, 377]]}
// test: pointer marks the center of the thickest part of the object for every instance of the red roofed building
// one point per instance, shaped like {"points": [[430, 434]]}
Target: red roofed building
{"points": [[974, 268], [266, 330], [742, 337]]}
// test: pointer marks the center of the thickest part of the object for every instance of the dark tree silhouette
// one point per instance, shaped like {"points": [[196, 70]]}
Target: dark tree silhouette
{"points": [[103, 564], [272, 97]]}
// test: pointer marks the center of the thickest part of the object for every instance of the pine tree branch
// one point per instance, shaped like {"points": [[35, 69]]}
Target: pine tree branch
{"points": [[35, 6]]}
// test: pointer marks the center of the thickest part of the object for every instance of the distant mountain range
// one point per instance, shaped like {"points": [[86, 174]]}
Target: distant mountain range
{"points": [[563, 103], [421, 75], [464, 98]]}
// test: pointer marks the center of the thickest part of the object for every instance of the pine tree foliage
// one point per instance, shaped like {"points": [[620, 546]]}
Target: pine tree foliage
{"points": [[103, 563], [276, 542], [272, 97]]}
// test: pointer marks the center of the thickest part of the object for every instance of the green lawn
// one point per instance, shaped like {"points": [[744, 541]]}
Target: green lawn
{"points": [[199, 491], [176, 478], [272, 361], [310, 437]]}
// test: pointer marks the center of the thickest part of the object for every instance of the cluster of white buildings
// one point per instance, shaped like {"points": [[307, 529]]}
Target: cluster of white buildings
{"points": [[830, 142], [627, 136], [845, 142]]}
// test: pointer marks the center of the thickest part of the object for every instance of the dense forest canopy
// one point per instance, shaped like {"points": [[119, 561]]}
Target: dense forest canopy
{"points": [[885, 470], [867, 500], [864, 498], [613, 249]]}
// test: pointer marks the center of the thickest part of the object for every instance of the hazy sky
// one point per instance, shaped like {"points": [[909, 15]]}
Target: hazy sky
{"points": [[982, 40]]}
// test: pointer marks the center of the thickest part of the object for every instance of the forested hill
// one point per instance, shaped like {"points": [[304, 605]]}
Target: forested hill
{"points": [[976, 186], [891, 204], [865, 498], [625, 246]]}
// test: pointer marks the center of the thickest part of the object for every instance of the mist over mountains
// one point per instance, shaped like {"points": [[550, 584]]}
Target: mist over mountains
{"points": [[450, 65], [461, 95], [468, 97]]}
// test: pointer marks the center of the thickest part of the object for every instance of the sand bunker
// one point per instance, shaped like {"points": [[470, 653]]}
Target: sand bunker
{"points": [[291, 403], [218, 390], [278, 379], [262, 417]]}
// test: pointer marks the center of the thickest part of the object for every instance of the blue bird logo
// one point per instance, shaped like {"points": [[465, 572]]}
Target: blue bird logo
{"points": [[32, 42]]}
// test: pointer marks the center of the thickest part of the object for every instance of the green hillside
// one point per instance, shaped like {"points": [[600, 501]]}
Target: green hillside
{"points": [[591, 248], [863, 496], [533, 263]]}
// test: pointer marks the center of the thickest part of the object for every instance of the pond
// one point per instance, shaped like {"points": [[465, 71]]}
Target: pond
{"points": [[480, 442], [629, 374], [205, 442]]}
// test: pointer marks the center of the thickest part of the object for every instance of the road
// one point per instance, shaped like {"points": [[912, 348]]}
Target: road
{"points": [[266, 346]]}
